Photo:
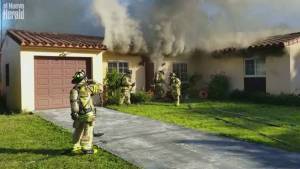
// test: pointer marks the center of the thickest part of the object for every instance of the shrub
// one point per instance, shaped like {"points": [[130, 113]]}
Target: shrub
{"points": [[141, 97], [218, 87], [194, 85], [282, 99], [112, 84], [115, 98]]}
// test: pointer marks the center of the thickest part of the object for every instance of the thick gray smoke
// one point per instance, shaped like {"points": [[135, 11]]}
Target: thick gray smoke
{"points": [[122, 33], [174, 27]]}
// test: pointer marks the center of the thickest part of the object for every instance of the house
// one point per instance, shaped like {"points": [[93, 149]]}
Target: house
{"points": [[37, 67], [270, 65]]}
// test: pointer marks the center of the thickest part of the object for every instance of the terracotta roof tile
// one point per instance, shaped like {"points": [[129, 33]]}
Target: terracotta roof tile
{"points": [[62, 40], [278, 40]]}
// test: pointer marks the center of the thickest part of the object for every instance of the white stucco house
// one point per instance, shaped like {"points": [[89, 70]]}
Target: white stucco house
{"points": [[37, 67], [270, 65]]}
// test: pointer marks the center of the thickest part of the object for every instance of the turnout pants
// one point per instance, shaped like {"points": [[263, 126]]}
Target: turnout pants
{"points": [[83, 134]]}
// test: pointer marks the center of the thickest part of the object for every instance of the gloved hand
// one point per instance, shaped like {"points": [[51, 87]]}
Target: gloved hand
{"points": [[74, 116]]}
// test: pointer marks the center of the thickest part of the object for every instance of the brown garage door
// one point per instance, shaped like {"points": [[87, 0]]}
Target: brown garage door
{"points": [[53, 77]]}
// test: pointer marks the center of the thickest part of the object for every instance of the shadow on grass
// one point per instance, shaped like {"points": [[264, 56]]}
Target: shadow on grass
{"points": [[260, 155]]}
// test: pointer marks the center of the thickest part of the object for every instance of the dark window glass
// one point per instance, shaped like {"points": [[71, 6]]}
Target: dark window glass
{"points": [[112, 66], [180, 69], [250, 67], [123, 67], [7, 74], [255, 67]]}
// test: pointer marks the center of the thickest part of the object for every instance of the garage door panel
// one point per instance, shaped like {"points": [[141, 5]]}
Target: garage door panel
{"points": [[69, 71], [58, 101], [43, 102], [43, 72], [55, 91], [43, 81], [56, 71], [43, 92], [70, 62], [56, 82], [42, 62], [53, 80]]}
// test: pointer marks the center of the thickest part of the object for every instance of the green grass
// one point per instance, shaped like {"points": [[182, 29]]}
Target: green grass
{"points": [[206, 116], [27, 141]]}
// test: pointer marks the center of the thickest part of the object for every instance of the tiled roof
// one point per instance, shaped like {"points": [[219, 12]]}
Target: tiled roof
{"points": [[60, 40], [279, 40]]}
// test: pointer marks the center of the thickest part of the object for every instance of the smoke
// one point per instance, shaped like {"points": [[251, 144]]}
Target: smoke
{"points": [[175, 27], [122, 33]]}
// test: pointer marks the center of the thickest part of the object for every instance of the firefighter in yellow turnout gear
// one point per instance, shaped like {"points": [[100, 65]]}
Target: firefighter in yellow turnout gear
{"points": [[159, 83], [83, 112], [175, 85], [126, 88]]}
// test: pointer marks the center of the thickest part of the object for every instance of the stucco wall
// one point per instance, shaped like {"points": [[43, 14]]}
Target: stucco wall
{"points": [[295, 68], [231, 66], [11, 56], [168, 65], [135, 63], [278, 74], [27, 70]]}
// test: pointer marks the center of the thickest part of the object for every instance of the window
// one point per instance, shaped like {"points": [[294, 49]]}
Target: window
{"points": [[7, 75], [121, 67], [255, 67], [180, 69]]}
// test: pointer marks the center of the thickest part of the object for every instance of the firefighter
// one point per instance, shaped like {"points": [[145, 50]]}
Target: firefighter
{"points": [[159, 83], [175, 86], [126, 88], [83, 112]]}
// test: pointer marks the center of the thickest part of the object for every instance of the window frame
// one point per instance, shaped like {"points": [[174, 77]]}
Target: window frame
{"points": [[118, 65], [255, 67], [186, 80]]}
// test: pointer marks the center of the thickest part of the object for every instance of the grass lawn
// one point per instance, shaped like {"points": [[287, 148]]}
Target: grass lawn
{"points": [[27, 141], [278, 126]]}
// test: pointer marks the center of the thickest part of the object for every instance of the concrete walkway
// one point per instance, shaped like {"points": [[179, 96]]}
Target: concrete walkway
{"points": [[154, 145]]}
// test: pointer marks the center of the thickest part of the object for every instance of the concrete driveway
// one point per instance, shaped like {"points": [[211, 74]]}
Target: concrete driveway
{"points": [[155, 145]]}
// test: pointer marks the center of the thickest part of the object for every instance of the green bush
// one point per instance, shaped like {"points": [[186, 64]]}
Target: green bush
{"points": [[282, 99], [112, 84], [141, 97], [114, 99], [194, 85], [218, 87]]}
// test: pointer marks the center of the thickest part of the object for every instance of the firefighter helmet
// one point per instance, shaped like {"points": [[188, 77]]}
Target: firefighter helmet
{"points": [[79, 76]]}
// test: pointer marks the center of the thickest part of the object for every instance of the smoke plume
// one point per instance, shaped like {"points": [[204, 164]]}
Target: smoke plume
{"points": [[174, 27], [122, 33]]}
